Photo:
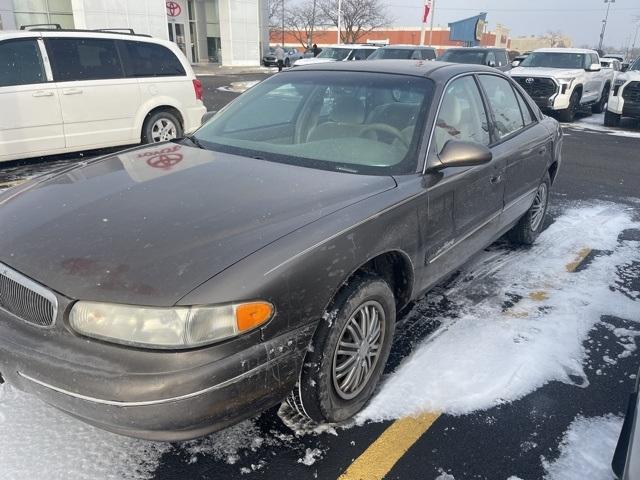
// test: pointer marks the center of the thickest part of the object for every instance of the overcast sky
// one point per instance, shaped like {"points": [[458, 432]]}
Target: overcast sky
{"points": [[579, 19]]}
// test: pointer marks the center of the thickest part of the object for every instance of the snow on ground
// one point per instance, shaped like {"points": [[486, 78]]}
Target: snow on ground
{"points": [[488, 353], [239, 87], [596, 122], [586, 450]]}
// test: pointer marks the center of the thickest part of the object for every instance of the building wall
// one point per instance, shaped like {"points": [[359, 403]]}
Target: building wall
{"points": [[144, 16], [525, 44], [7, 19], [398, 35], [240, 32]]}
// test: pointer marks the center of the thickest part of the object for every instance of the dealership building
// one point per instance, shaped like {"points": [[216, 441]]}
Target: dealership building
{"points": [[229, 32]]}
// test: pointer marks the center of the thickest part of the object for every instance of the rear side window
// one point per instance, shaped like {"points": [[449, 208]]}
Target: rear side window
{"points": [[361, 53], [20, 63], [428, 54], [84, 59], [143, 59]]}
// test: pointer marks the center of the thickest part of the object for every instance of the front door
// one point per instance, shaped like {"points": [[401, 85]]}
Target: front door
{"points": [[178, 35], [30, 117], [464, 203]]}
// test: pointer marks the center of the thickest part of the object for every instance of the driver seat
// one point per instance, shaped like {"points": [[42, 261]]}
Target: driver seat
{"points": [[345, 120]]}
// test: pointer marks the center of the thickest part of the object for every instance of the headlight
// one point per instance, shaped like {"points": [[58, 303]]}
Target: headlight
{"points": [[566, 81], [174, 327], [618, 82]]}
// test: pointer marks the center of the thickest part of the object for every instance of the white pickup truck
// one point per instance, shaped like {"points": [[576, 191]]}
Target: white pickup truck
{"points": [[625, 96], [565, 80]]}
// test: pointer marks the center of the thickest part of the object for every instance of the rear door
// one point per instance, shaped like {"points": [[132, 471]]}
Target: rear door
{"points": [[30, 117], [98, 102], [521, 144]]}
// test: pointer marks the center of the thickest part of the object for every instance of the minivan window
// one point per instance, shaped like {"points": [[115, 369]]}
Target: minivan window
{"points": [[21, 63], [83, 59], [143, 59]]}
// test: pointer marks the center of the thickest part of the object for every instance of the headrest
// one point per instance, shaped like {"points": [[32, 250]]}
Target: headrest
{"points": [[347, 110]]}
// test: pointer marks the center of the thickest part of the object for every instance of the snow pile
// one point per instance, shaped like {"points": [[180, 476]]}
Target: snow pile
{"points": [[586, 450], [239, 87], [310, 456], [490, 352], [37, 441], [596, 122]]}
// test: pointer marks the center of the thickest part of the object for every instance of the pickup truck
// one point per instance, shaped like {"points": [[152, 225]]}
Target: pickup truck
{"points": [[565, 80], [625, 96]]}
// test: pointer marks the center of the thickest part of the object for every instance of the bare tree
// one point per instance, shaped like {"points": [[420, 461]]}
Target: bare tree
{"points": [[359, 17], [276, 12], [556, 38], [301, 20]]}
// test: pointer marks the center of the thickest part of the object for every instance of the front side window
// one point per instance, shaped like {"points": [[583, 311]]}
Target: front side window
{"points": [[462, 115], [83, 59], [356, 122], [428, 54], [503, 103], [361, 54], [334, 53], [145, 59], [392, 54], [21, 63]]}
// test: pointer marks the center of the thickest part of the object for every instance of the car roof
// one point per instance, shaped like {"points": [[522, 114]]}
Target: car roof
{"points": [[407, 47], [477, 48], [13, 34], [565, 50], [351, 46], [416, 68]]}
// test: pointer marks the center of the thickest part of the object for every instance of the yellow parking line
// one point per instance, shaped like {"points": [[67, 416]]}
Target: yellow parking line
{"points": [[378, 460], [582, 254]]}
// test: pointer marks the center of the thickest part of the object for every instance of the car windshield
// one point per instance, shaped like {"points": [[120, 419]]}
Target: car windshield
{"points": [[356, 122], [475, 57], [392, 54], [335, 53], [556, 60], [636, 65]]}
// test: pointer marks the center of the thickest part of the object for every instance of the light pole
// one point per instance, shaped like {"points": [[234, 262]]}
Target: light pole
{"points": [[339, 19], [433, 14], [635, 38], [604, 23], [283, 24]]}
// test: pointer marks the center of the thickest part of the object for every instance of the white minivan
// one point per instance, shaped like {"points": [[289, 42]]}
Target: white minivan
{"points": [[66, 91]]}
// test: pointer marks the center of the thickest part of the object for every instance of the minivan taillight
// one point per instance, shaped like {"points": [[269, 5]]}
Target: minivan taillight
{"points": [[197, 86]]}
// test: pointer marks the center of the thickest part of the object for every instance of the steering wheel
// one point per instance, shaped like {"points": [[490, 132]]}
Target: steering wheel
{"points": [[383, 127]]}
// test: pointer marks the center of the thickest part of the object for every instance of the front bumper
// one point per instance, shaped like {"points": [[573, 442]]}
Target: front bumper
{"points": [[627, 107], [155, 395]]}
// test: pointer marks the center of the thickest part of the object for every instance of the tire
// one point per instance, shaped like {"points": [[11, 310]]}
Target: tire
{"points": [[567, 115], [323, 393], [599, 107], [530, 225], [153, 130], [612, 119]]}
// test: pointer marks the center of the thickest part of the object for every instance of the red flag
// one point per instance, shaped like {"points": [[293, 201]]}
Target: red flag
{"points": [[427, 9]]}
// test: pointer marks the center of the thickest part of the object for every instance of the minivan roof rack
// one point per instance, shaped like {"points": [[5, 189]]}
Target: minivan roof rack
{"points": [[47, 27]]}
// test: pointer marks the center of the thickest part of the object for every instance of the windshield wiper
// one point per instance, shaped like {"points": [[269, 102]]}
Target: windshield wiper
{"points": [[196, 142]]}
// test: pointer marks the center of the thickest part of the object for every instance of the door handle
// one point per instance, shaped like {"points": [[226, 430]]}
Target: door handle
{"points": [[72, 91], [496, 179], [43, 93]]}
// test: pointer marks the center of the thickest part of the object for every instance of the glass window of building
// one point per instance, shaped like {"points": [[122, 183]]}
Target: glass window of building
{"points": [[29, 12]]}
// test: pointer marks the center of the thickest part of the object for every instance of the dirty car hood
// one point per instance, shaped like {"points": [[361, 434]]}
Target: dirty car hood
{"points": [[149, 225]]}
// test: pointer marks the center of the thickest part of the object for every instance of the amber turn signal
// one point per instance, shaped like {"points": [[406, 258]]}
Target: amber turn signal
{"points": [[252, 315]]}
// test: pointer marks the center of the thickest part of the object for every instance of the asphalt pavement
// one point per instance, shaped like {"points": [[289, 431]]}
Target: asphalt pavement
{"points": [[514, 439]]}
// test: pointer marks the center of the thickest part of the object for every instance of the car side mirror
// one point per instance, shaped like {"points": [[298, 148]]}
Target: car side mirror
{"points": [[594, 67], [207, 116], [515, 63], [457, 153]]}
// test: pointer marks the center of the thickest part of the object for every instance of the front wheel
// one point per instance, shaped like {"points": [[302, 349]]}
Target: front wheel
{"points": [[599, 107], [350, 350], [567, 115], [530, 225], [612, 119]]}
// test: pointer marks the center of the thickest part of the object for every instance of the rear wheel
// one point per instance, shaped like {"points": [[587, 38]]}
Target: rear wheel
{"points": [[599, 107], [350, 350], [530, 225], [567, 115], [161, 126], [612, 119]]}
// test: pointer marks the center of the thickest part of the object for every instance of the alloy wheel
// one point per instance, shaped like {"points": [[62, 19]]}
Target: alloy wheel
{"points": [[539, 207], [358, 350], [162, 130]]}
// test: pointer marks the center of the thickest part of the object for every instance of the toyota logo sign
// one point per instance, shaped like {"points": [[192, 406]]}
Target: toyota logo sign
{"points": [[529, 80], [173, 9]]}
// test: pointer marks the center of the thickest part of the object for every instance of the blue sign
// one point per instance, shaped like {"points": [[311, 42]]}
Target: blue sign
{"points": [[469, 30]]}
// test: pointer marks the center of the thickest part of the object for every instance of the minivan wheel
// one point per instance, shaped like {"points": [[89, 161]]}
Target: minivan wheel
{"points": [[160, 127], [530, 225], [349, 352]]}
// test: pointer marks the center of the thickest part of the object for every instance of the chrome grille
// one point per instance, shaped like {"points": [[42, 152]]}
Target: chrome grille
{"points": [[631, 93], [26, 299], [538, 88]]}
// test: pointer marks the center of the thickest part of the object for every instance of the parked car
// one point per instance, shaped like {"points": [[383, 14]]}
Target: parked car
{"points": [[340, 53], [81, 90], [404, 52], [626, 459], [492, 57], [621, 57], [187, 285], [564, 80], [517, 60], [291, 55], [624, 100]]}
